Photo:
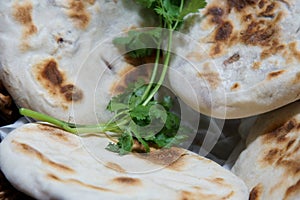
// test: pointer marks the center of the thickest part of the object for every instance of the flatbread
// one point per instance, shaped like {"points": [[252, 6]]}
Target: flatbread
{"points": [[242, 58], [48, 163], [57, 57], [270, 164]]}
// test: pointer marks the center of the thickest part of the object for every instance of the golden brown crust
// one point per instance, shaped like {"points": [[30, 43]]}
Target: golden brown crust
{"points": [[31, 151], [256, 193], [78, 13], [77, 182], [127, 181], [22, 13], [49, 75], [258, 26]]}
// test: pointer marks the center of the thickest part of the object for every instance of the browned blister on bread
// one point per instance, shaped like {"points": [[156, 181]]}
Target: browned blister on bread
{"points": [[270, 165]]}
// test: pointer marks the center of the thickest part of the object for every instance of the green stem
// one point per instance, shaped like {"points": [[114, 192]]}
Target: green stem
{"points": [[47, 118], [69, 127], [117, 115], [165, 68], [166, 63], [154, 73], [180, 10], [155, 68]]}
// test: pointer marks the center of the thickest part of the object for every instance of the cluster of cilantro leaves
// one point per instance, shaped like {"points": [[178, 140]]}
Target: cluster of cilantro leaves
{"points": [[171, 14], [173, 11], [137, 103], [152, 124], [138, 116]]}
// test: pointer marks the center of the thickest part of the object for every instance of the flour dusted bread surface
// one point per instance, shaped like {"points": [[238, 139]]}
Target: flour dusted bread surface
{"points": [[242, 58], [271, 162], [48, 163], [57, 57]]}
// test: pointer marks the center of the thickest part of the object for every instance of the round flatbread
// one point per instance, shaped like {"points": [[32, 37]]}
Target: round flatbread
{"points": [[270, 164], [57, 57], [241, 58], [48, 163]]}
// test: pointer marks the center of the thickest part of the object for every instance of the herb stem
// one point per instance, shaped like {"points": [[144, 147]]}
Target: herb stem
{"points": [[47, 118], [180, 10], [165, 68], [154, 72], [117, 115], [69, 127]]}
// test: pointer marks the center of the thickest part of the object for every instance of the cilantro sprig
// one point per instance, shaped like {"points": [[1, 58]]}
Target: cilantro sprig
{"points": [[138, 116]]}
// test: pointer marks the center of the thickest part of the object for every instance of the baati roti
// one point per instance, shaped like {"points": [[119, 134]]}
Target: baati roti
{"points": [[242, 58], [270, 163], [57, 57], [49, 163]]}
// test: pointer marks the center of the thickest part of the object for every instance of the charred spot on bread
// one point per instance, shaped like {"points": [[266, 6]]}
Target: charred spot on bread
{"points": [[78, 13], [22, 13], [55, 82], [71, 92], [224, 31], [240, 4], [115, 167], [31, 151], [171, 158], [211, 77], [256, 192], [275, 74], [54, 177], [127, 181], [234, 58], [217, 14], [52, 74], [292, 190], [235, 86]]}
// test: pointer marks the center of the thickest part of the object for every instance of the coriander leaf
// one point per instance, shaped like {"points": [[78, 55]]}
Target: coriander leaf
{"points": [[128, 98], [114, 106], [175, 140], [134, 101], [125, 143], [192, 6], [161, 140], [172, 122], [136, 132], [140, 112], [113, 147], [139, 43], [169, 10], [157, 111], [167, 102], [122, 40]]}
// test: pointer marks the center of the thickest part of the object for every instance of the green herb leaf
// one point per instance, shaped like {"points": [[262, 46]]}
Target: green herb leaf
{"points": [[192, 6], [139, 43], [125, 143], [113, 147], [167, 102], [140, 112], [169, 10]]}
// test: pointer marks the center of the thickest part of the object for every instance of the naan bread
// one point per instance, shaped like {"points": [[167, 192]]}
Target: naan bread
{"points": [[242, 58], [48, 163], [57, 57], [270, 165]]}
